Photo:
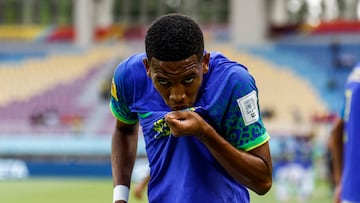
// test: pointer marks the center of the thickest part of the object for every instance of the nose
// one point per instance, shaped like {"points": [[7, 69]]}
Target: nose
{"points": [[177, 94]]}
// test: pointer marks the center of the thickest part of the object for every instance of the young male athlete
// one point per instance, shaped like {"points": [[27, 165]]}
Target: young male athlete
{"points": [[199, 112], [344, 142]]}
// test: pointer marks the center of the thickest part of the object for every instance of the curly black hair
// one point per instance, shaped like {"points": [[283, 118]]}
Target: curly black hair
{"points": [[174, 37]]}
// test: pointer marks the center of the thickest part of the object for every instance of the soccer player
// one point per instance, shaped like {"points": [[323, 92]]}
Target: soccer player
{"points": [[199, 112], [345, 140]]}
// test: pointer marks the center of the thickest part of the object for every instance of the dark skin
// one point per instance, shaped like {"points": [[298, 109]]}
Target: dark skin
{"points": [[178, 83], [337, 147], [123, 152]]}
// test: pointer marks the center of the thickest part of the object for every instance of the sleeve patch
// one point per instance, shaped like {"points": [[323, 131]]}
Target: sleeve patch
{"points": [[249, 108]]}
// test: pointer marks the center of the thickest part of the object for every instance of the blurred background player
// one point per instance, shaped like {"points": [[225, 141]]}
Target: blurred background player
{"points": [[140, 187], [345, 142], [295, 174]]}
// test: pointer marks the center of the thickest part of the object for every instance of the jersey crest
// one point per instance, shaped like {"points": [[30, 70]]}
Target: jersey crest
{"points": [[161, 128]]}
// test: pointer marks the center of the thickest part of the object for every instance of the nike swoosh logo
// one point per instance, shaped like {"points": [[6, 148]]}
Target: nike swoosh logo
{"points": [[144, 115]]}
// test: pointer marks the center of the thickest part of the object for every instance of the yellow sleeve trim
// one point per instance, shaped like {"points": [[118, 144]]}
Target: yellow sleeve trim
{"points": [[113, 90], [259, 141], [120, 118]]}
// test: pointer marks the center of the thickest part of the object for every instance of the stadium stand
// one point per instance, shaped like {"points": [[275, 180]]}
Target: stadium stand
{"points": [[316, 64], [45, 94]]}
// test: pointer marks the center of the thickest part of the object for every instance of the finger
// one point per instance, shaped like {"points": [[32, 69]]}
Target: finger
{"points": [[174, 121], [178, 115]]}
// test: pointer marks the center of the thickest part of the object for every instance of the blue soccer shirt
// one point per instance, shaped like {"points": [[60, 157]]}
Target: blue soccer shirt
{"points": [[181, 168], [351, 116]]}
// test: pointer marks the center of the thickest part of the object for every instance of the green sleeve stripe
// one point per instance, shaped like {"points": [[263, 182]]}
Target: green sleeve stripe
{"points": [[259, 141], [120, 118]]}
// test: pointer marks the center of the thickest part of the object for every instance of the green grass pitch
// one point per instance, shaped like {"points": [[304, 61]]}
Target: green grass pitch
{"points": [[78, 190]]}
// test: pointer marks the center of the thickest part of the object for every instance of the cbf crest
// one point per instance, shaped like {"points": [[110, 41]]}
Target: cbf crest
{"points": [[161, 128]]}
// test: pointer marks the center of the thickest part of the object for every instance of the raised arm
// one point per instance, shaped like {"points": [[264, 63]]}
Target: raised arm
{"points": [[253, 169], [123, 153]]}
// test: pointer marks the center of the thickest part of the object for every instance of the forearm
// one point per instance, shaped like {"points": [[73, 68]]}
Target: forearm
{"points": [[336, 147], [255, 172], [123, 155], [252, 169]]}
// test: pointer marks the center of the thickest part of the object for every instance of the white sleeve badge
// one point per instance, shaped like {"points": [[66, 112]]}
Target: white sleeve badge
{"points": [[248, 107]]}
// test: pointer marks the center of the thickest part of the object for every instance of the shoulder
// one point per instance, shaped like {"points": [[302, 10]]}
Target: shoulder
{"points": [[228, 71], [220, 63], [130, 64], [131, 68], [354, 75]]}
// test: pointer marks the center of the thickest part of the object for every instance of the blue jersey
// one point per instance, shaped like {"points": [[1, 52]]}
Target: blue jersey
{"points": [[351, 116], [181, 168]]}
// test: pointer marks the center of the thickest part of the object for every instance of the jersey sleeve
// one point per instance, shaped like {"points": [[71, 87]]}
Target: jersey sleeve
{"points": [[247, 131], [121, 94], [242, 125]]}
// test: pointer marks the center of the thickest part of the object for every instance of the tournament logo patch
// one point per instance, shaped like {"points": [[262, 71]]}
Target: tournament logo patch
{"points": [[248, 107], [113, 90]]}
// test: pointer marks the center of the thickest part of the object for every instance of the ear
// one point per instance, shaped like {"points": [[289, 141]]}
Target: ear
{"points": [[205, 62], [147, 66]]}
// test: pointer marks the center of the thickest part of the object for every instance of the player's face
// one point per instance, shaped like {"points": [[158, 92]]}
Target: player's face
{"points": [[178, 82]]}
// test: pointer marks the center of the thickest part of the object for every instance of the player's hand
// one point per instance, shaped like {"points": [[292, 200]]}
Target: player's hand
{"points": [[186, 123]]}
